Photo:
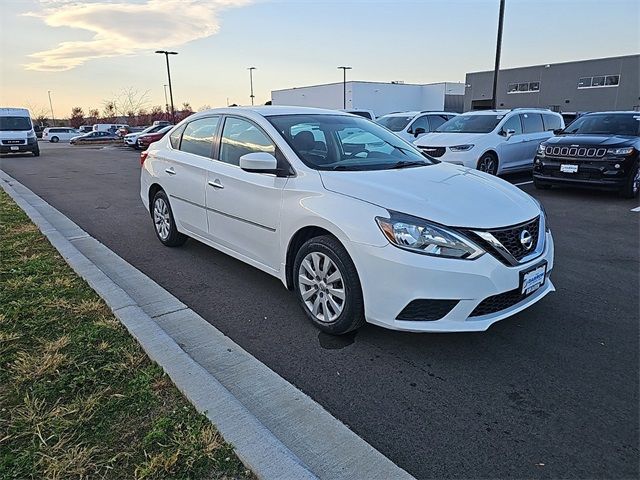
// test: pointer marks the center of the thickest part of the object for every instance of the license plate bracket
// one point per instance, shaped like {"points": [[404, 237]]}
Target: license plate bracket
{"points": [[533, 278], [14, 148], [567, 168]]}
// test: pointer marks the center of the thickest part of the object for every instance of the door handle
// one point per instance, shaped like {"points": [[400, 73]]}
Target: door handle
{"points": [[170, 171], [216, 184]]}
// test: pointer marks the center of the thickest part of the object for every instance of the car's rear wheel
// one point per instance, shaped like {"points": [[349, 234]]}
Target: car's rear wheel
{"points": [[488, 163], [327, 286], [54, 139], [632, 187], [164, 223]]}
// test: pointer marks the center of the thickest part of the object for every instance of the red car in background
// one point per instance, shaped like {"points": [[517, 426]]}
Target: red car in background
{"points": [[147, 139]]}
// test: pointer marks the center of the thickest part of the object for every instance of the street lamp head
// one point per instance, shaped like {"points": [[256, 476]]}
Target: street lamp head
{"points": [[345, 68], [166, 52], [251, 68]]}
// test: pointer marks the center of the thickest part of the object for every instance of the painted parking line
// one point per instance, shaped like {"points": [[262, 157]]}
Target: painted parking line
{"points": [[637, 209], [523, 183]]}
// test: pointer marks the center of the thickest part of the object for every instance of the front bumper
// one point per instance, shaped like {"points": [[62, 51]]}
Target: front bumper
{"points": [[467, 158], [608, 172], [392, 278], [21, 148]]}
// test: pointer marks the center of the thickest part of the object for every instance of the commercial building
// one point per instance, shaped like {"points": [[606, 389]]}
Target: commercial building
{"points": [[582, 86], [380, 97]]}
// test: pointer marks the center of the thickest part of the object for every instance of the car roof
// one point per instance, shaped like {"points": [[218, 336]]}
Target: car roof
{"points": [[612, 112], [270, 110]]}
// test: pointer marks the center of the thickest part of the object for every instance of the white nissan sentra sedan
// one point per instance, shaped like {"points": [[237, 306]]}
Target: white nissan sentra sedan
{"points": [[359, 223]]}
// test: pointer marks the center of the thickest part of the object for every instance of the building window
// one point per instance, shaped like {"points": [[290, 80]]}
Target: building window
{"points": [[523, 87], [599, 81]]}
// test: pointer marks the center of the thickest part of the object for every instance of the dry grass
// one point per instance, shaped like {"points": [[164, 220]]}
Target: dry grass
{"points": [[79, 399]]}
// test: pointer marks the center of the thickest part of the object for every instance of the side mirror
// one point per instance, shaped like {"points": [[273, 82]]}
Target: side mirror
{"points": [[508, 133], [557, 131], [259, 162], [419, 131]]}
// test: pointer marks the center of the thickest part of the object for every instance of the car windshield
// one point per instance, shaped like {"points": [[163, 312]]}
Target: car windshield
{"points": [[394, 123], [470, 124], [341, 142], [15, 123], [605, 124]]}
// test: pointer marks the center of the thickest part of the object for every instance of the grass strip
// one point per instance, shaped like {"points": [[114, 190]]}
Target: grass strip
{"points": [[79, 398]]}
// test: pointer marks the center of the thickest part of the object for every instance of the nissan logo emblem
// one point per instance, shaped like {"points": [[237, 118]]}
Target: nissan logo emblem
{"points": [[526, 239]]}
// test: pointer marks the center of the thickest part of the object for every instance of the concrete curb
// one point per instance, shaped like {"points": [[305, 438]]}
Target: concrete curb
{"points": [[277, 430]]}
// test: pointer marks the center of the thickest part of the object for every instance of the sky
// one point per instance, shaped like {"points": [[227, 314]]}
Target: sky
{"points": [[88, 52]]}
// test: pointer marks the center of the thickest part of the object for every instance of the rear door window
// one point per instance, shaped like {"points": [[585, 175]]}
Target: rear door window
{"points": [[198, 136], [532, 123], [175, 137]]}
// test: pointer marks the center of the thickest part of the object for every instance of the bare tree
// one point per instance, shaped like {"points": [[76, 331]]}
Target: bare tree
{"points": [[204, 107], [38, 113]]}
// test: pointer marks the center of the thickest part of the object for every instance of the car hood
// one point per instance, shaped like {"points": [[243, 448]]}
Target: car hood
{"points": [[436, 139], [443, 193], [604, 140]]}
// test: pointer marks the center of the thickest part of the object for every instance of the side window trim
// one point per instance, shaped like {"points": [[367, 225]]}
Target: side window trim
{"points": [[180, 129]]}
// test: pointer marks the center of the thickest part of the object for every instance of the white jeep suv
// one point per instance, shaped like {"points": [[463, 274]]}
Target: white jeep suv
{"points": [[356, 221], [494, 141]]}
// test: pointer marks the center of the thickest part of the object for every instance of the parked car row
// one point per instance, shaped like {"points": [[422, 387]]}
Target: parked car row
{"points": [[132, 139], [598, 149]]}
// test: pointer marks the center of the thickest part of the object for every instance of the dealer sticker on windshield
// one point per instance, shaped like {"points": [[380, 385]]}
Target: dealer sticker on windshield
{"points": [[533, 279]]}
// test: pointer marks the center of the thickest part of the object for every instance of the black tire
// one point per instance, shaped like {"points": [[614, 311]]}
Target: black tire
{"points": [[540, 185], [488, 163], [36, 152], [170, 237], [351, 316], [54, 139], [632, 186]]}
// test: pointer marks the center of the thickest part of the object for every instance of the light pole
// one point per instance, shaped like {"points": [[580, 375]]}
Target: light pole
{"points": [[51, 106], [494, 100], [166, 55], [344, 85], [251, 69], [166, 102]]}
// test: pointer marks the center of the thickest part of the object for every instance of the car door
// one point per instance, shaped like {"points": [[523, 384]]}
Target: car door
{"points": [[534, 133], [512, 150], [244, 208], [183, 171]]}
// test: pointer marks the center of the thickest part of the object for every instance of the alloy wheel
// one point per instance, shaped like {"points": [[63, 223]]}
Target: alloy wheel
{"points": [[321, 286], [488, 164], [161, 218], [636, 181]]}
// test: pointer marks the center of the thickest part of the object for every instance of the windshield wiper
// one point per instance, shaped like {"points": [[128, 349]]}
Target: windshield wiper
{"points": [[405, 164]]}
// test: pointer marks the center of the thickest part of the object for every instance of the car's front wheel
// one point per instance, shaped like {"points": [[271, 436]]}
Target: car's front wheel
{"points": [[488, 163], [164, 223], [54, 139], [327, 286], [632, 187]]}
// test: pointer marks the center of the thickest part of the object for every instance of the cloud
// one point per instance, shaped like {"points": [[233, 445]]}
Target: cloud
{"points": [[121, 28]]}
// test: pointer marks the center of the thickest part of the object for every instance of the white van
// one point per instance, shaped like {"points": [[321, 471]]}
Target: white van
{"points": [[16, 132], [108, 127], [59, 134]]}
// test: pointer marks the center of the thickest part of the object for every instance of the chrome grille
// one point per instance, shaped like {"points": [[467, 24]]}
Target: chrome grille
{"points": [[575, 152]]}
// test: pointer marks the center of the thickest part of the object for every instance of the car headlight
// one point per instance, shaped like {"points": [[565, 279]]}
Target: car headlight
{"points": [[541, 150], [543, 212], [620, 151], [461, 148], [420, 236]]}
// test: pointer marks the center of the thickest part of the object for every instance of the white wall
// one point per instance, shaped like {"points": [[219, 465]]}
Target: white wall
{"points": [[321, 96], [382, 98]]}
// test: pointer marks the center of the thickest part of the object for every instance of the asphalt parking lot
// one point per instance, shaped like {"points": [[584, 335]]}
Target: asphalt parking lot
{"points": [[551, 392]]}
